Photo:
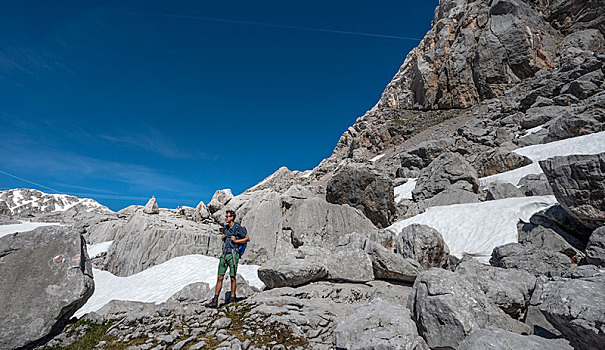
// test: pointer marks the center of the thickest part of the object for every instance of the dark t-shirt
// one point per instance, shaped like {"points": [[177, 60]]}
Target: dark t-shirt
{"points": [[236, 230]]}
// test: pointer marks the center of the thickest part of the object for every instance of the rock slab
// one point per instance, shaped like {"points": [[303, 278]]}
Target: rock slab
{"points": [[46, 278]]}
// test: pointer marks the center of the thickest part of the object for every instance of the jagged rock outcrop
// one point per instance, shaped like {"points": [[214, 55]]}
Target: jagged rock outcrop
{"points": [[219, 199], [147, 240], [201, 212], [46, 278], [366, 188], [578, 182], [151, 207], [448, 306]]}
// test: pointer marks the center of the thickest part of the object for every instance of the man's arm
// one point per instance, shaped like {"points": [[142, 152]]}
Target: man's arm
{"points": [[246, 239]]}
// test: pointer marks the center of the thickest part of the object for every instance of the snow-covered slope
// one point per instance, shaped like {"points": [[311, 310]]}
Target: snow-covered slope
{"points": [[158, 283], [30, 201], [24, 226], [477, 228]]}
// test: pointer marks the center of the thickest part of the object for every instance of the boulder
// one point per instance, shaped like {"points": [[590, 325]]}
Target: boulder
{"points": [[495, 338], [578, 182], [595, 250], [509, 289], [498, 161], [424, 153], [501, 190], [448, 306], [423, 244], [576, 308], [366, 188], [191, 293], [219, 200], [308, 264], [151, 207], [201, 212], [447, 170], [535, 185], [557, 216], [46, 278], [531, 259], [379, 325], [543, 233]]}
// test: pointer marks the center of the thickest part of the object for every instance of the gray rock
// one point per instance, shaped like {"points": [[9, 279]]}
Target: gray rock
{"points": [[535, 185], [445, 171], [578, 182], [201, 212], [423, 244], [219, 200], [151, 207], [509, 289], [308, 264], [557, 216], [379, 325], [576, 308], [194, 292], [495, 338], [447, 306], [501, 190], [424, 153], [531, 259], [46, 278], [595, 250], [498, 161], [222, 323], [366, 188], [543, 233], [243, 290], [538, 116]]}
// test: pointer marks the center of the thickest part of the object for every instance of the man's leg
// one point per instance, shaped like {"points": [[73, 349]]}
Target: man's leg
{"points": [[219, 285], [222, 268], [233, 287]]}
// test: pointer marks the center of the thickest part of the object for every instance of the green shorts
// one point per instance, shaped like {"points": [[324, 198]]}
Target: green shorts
{"points": [[225, 262]]}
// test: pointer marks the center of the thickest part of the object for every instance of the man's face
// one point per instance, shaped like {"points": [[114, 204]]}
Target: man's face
{"points": [[228, 218]]}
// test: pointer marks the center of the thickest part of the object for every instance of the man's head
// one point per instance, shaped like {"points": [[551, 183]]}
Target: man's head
{"points": [[229, 216]]}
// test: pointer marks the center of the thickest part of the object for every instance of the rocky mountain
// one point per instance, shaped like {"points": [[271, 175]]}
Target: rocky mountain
{"points": [[25, 203], [467, 203]]}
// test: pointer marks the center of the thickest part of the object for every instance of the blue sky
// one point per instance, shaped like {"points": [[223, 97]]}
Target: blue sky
{"points": [[122, 100]]}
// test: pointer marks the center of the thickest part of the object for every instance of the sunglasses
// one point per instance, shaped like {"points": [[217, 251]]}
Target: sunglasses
{"points": [[228, 216]]}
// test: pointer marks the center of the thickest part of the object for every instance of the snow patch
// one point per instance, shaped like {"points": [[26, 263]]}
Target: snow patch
{"points": [[160, 282], [477, 228], [95, 250], [586, 144], [377, 157], [24, 226], [405, 191], [533, 130]]}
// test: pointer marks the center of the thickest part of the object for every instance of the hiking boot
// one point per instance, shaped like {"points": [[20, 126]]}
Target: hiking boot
{"points": [[213, 303], [230, 299]]}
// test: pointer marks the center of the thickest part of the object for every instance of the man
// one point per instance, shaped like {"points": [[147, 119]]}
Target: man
{"points": [[233, 234]]}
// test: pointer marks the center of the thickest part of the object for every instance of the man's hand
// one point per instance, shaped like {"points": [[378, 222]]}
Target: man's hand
{"points": [[223, 236], [233, 239]]}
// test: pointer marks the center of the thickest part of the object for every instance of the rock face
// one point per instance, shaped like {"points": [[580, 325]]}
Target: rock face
{"points": [[147, 240], [373, 327], [46, 278], [423, 244], [151, 207], [201, 212], [447, 306], [595, 250], [366, 188], [219, 199], [578, 182], [576, 308], [494, 338]]}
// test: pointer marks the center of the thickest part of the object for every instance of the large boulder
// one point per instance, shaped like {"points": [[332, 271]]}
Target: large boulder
{"points": [[151, 207], [595, 250], [576, 308], [379, 325], [578, 182], [448, 306], [219, 200], [495, 338], [423, 244], [201, 212], [501, 190], [449, 179], [509, 289], [46, 278], [536, 261], [535, 185], [498, 161], [366, 188], [308, 264]]}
